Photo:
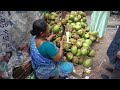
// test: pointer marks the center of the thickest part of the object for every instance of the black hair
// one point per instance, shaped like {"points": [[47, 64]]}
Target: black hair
{"points": [[39, 26]]}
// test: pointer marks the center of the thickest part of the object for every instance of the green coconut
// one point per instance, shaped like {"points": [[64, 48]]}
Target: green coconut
{"points": [[74, 49], [76, 19], [72, 40], [77, 27], [75, 60], [80, 32], [56, 29], [87, 35], [78, 43], [93, 38], [87, 63], [84, 51], [71, 17], [66, 46], [92, 53], [81, 59], [88, 41], [76, 36], [69, 56], [78, 52]]}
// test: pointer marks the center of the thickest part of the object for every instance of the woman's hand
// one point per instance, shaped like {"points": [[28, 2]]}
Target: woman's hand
{"points": [[51, 37]]}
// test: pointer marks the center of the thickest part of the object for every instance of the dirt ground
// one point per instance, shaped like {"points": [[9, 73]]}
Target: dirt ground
{"points": [[101, 49]]}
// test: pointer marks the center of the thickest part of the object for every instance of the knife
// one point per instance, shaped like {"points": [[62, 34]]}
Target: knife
{"points": [[63, 31]]}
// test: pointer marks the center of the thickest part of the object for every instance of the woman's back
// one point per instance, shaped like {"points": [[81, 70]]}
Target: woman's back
{"points": [[47, 49]]}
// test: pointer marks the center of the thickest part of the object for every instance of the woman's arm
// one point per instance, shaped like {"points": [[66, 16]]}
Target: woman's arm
{"points": [[59, 56], [53, 52], [51, 37]]}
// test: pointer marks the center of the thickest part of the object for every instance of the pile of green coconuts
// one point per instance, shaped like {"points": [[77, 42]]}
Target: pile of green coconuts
{"points": [[79, 49]]}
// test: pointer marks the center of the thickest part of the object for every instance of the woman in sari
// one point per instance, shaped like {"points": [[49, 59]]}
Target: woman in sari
{"points": [[47, 58]]}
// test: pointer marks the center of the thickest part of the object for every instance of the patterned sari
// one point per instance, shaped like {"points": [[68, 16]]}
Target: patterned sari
{"points": [[46, 68]]}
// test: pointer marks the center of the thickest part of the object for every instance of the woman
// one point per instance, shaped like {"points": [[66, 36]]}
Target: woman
{"points": [[47, 59]]}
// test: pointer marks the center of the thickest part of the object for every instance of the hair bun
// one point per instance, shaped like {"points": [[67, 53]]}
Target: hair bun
{"points": [[33, 32]]}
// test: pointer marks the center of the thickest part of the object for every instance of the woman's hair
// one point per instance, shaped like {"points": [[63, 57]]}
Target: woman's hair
{"points": [[39, 26]]}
